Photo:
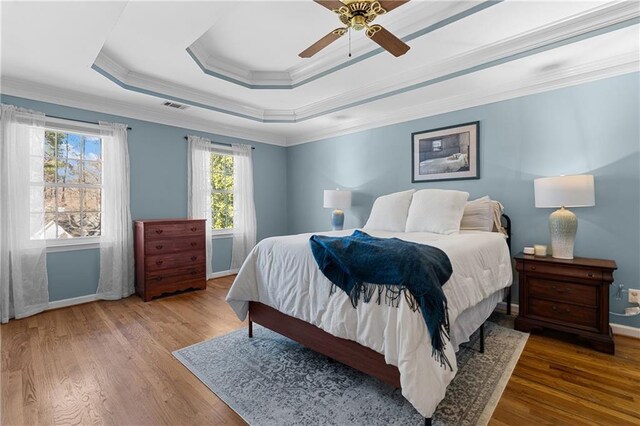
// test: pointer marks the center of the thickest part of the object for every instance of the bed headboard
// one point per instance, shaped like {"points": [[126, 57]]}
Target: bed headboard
{"points": [[506, 220]]}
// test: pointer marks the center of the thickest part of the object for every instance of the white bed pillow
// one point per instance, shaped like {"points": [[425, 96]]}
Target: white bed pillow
{"points": [[478, 215], [389, 212], [436, 210]]}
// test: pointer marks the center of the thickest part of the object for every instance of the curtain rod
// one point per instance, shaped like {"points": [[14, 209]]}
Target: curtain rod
{"points": [[219, 143], [79, 121]]}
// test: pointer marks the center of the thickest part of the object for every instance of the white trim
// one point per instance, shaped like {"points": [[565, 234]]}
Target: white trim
{"points": [[403, 21], [625, 330], [220, 274], [502, 308], [594, 19], [87, 101], [221, 235], [587, 73], [64, 303], [55, 248], [508, 49], [578, 75], [618, 329]]}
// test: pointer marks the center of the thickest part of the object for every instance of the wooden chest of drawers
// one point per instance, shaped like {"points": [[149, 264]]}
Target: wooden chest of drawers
{"points": [[170, 256], [566, 295]]}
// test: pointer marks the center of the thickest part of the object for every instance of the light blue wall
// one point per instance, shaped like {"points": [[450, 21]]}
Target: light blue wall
{"points": [[590, 128], [158, 159]]}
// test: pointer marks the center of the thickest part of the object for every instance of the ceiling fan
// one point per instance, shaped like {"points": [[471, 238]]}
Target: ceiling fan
{"points": [[358, 15]]}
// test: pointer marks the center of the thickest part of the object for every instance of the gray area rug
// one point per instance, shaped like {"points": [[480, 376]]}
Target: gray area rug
{"points": [[272, 380]]}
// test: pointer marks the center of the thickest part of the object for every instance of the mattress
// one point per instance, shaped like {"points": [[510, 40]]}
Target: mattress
{"points": [[281, 272]]}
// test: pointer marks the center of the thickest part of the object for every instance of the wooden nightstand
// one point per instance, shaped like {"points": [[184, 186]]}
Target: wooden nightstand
{"points": [[566, 295]]}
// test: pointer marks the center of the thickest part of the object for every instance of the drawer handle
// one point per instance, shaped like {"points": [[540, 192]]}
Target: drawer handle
{"points": [[159, 262], [159, 247], [590, 274], [159, 279], [194, 244], [194, 229], [194, 272], [533, 268], [158, 231], [566, 310], [194, 257]]}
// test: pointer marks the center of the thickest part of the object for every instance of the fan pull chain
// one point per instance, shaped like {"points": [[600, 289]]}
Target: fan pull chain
{"points": [[349, 42]]}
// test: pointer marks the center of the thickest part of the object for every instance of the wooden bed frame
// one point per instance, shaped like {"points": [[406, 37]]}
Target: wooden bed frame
{"points": [[342, 350]]}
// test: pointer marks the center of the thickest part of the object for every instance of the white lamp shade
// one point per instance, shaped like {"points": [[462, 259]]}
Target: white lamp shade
{"points": [[336, 199], [565, 191]]}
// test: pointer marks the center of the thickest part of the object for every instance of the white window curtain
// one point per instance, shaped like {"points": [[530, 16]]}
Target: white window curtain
{"points": [[199, 193], [116, 240], [23, 268], [244, 210]]}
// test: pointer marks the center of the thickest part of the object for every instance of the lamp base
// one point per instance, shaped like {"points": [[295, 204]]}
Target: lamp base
{"points": [[337, 220], [563, 225]]}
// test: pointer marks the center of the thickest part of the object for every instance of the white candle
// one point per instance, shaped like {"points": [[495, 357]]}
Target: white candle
{"points": [[540, 250]]}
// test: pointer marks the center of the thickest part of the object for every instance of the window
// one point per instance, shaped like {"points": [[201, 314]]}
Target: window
{"points": [[221, 192], [72, 186]]}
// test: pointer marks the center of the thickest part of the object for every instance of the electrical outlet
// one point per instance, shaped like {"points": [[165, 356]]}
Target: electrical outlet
{"points": [[634, 296]]}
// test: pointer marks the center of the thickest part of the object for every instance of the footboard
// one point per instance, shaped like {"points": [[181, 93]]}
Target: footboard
{"points": [[345, 351]]}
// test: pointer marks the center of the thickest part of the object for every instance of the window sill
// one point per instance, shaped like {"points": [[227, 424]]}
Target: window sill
{"points": [[221, 235], [71, 245]]}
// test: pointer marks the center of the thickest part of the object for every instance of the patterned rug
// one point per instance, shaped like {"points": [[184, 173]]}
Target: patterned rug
{"points": [[272, 380]]}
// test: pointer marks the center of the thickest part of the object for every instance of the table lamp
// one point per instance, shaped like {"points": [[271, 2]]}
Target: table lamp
{"points": [[564, 191], [337, 200]]}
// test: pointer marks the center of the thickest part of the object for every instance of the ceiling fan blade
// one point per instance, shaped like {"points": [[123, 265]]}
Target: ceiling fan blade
{"points": [[323, 42], [389, 5], [330, 4], [387, 41]]}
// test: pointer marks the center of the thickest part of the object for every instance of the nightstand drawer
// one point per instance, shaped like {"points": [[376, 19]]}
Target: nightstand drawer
{"points": [[563, 312], [563, 292], [582, 273]]}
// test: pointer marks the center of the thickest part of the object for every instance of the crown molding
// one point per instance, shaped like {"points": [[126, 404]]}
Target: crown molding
{"points": [[623, 64], [407, 25], [54, 95], [598, 70], [609, 17], [145, 84], [548, 37]]}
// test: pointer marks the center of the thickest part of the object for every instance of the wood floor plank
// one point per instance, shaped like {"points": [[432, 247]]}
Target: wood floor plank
{"points": [[110, 363]]}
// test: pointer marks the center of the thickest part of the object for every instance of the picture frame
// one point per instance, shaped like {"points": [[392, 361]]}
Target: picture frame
{"points": [[446, 153]]}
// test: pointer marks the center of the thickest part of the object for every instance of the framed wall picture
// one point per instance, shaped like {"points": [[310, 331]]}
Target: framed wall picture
{"points": [[447, 153]]}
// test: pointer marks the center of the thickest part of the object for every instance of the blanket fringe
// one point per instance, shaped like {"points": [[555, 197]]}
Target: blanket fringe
{"points": [[391, 294]]}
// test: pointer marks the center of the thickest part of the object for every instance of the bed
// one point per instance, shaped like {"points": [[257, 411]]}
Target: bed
{"points": [[280, 287]]}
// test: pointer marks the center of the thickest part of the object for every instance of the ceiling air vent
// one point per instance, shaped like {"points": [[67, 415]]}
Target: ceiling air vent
{"points": [[174, 105]]}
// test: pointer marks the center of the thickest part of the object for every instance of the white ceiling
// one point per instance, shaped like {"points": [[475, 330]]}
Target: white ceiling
{"points": [[127, 58]]}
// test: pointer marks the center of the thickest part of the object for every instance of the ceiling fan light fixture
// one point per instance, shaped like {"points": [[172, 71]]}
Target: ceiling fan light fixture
{"points": [[358, 22], [358, 15]]}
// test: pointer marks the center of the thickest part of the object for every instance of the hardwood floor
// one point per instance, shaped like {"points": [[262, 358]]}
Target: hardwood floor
{"points": [[111, 363]]}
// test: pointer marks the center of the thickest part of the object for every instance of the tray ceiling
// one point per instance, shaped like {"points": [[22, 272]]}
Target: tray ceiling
{"points": [[236, 65]]}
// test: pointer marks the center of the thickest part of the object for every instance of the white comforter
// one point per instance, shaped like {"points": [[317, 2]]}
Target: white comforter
{"points": [[282, 273]]}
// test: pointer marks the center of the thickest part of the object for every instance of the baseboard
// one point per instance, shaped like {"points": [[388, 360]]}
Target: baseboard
{"points": [[220, 274], [502, 308], [625, 330], [64, 303], [619, 329], [57, 304]]}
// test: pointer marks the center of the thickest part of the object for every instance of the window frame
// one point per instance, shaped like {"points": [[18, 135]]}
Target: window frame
{"points": [[226, 232], [85, 129]]}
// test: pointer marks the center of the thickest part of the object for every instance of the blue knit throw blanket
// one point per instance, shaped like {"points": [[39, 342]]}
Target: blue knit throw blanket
{"points": [[366, 266]]}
